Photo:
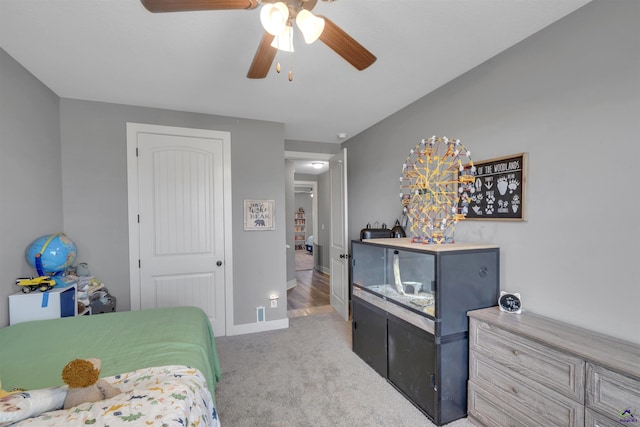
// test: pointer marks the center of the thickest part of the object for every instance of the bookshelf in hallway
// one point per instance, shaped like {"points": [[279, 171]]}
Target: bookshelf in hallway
{"points": [[300, 229]]}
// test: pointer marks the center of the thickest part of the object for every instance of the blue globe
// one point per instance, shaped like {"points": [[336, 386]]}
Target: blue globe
{"points": [[57, 252]]}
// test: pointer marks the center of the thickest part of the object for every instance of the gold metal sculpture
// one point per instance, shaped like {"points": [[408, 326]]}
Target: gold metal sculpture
{"points": [[437, 179]]}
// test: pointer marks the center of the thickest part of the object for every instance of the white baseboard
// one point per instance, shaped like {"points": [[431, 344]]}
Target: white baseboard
{"points": [[291, 284], [249, 328]]}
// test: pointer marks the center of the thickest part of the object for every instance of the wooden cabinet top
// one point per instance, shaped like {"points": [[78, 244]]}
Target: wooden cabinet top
{"points": [[612, 353], [405, 243]]}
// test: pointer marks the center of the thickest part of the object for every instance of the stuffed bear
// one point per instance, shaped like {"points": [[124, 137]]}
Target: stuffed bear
{"points": [[82, 377]]}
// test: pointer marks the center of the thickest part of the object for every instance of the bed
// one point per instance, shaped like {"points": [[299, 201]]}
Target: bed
{"points": [[166, 355]]}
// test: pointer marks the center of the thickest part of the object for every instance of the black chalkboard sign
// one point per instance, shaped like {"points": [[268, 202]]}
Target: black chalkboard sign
{"points": [[499, 190]]}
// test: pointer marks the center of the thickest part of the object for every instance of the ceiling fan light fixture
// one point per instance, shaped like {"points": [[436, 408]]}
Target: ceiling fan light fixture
{"points": [[284, 40], [310, 26], [274, 17]]}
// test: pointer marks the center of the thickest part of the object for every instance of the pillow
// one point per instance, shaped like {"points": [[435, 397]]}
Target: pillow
{"points": [[26, 404]]}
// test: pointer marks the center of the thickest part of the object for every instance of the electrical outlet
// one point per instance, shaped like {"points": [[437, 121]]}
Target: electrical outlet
{"points": [[274, 300]]}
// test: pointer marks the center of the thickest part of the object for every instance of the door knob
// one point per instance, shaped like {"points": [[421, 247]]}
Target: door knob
{"points": [[219, 263]]}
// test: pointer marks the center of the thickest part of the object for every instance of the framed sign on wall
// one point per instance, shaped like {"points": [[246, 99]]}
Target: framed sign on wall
{"points": [[499, 190], [258, 215]]}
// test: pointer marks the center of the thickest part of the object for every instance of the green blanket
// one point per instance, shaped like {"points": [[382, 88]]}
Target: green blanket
{"points": [[32, 354]]}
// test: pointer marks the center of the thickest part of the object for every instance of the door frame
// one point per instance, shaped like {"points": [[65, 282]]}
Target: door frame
{"points": [[314, 203], [133, 197]]}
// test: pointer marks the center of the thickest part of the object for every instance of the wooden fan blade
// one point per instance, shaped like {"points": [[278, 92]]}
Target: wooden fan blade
{"points": [[263, 58], [344, 45], [309, 4], [189, 5]]}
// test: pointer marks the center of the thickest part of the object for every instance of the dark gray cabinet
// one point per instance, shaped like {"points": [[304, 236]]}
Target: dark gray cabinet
{"points": [[370, 336], [410, 304], [412, 363]]}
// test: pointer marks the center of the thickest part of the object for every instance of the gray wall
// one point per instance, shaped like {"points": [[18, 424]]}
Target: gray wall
{"points": [[570, 97], [30, 171], [94, 177], [311, 147]]}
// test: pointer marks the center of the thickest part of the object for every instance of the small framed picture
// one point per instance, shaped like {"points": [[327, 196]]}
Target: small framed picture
{"points": [[258, 215]]}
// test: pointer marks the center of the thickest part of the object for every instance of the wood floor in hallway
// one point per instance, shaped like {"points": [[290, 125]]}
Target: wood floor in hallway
{"points": [[310, 295]]}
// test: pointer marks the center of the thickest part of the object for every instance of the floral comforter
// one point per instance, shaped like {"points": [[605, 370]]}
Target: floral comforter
{"points": [[161, 396]]}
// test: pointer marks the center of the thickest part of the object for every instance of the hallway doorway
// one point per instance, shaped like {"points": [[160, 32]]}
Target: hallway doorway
{"points": [[311, 292], [310, 295]]}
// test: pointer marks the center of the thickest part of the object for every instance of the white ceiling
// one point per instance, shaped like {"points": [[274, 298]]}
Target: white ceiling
{"points": [[116, 51]]}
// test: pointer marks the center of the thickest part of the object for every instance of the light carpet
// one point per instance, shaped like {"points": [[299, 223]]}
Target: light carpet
{"points": [[306, 376]]}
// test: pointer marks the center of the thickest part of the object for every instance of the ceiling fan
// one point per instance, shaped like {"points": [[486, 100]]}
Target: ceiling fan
{"points": [[332, 35]]}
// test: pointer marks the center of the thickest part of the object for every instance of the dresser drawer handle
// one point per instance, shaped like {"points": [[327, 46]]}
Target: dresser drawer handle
{"points": [[515, 352]]}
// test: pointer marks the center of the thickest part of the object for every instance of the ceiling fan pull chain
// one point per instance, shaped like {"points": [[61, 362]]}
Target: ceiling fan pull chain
{"points": [[290, 66], [291, 57], [277, 58]]}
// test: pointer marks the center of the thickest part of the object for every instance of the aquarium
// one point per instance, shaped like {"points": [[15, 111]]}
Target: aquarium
{"points": [[404, 276]]}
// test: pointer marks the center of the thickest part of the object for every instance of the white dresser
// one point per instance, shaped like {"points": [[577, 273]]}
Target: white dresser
{"points": [[36, 305], [528, 370]]}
